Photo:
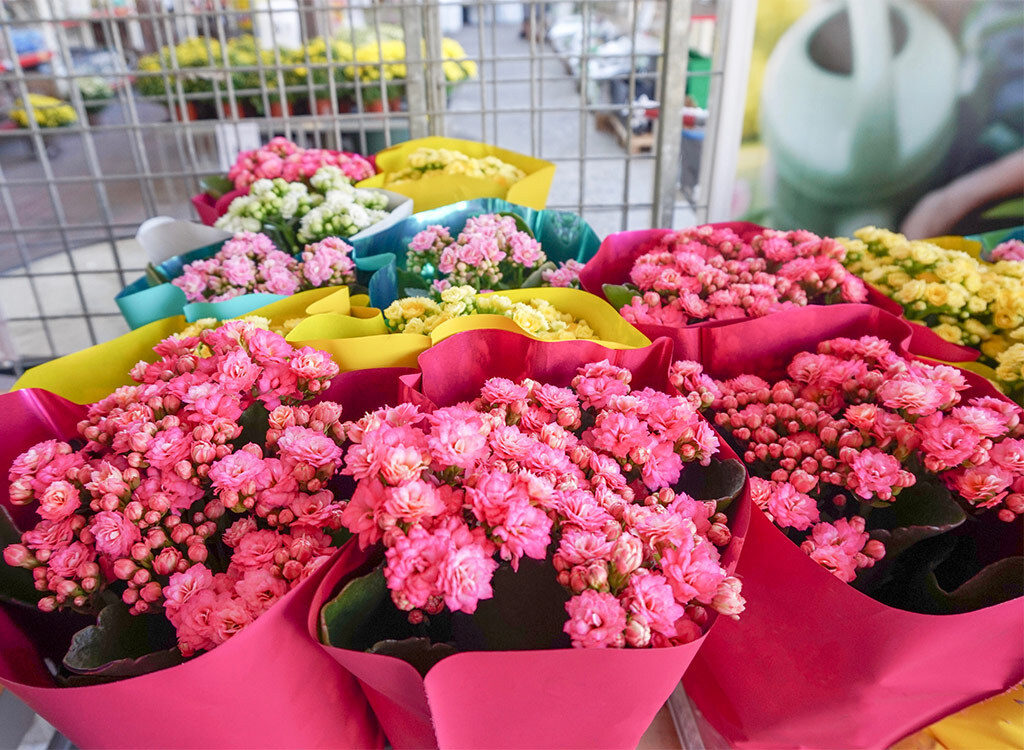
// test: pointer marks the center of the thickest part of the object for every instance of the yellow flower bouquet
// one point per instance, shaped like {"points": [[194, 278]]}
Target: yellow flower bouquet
{"points": [[965, 300], [437, 171]]}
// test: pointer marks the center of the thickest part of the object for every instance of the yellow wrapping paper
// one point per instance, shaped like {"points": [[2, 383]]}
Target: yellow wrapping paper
{"points": [[442, 190], [359, 341], [993, 724], [89, 375]]}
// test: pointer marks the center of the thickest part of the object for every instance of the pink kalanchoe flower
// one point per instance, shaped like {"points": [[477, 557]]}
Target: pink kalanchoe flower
{"points": [[114, 533], [596, 620], [791, 508]]}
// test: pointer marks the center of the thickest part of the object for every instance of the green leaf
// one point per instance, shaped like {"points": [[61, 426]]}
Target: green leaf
{"points": [[536, 278], [720, 481], [419, 652], [521, 224], [407, 280], [526, 612], [254, 425], [122, 645], [919, 589], [414, 292], [619, 295], [154, 276], [16, 584], [924, 510], [342, 618], [216, 186], [920, 512]]}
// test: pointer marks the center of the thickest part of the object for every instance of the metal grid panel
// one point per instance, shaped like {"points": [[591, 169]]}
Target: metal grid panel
{"points": [[70, 196]]}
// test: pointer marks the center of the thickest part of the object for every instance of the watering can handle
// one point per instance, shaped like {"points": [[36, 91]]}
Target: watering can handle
{"points": [[874, 127]]}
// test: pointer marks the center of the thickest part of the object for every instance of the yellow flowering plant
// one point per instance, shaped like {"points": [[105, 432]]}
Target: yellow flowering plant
{"points": [[427, 162], [965, 300], [47, 112], [537, 317]]}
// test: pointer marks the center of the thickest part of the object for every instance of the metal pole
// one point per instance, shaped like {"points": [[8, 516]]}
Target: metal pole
{"points": [[718, 167], [417, 95], [670, 112]]}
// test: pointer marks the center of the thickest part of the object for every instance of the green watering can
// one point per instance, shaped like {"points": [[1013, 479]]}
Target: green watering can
{"points": [[858, 108]]}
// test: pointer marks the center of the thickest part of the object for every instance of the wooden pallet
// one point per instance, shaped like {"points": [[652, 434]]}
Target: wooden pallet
{"points": [[610, 122]]}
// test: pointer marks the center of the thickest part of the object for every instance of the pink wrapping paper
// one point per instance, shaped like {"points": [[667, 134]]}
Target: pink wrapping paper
{"points": [[813, 662], [268, 687], [618, 253], [210, 209], [563, 698]]}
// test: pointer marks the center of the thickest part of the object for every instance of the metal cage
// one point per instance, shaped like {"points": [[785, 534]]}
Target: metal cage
{"points": [[582, 84]]}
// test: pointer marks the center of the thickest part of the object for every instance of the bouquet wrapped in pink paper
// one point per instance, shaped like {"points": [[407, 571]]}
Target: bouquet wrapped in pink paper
{"points": [[888, 531], [181, 526], [673, 283], [280, 158], [538, 524]]}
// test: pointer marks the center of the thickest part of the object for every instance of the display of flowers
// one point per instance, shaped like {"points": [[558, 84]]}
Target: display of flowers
{"points": [[250, 263], [711, 273], [160, 71], [964, 300], [299, 214], [197, 497], [537, 317], [579, 478], [424, 163], [47, 111], [856, 452], [492, 252], [289, 161]]}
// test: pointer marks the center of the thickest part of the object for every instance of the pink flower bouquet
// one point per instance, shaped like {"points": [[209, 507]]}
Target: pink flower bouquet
{"points": [[279, 158], [673, 283], [889, 491], [250, 262], [536, 525], [183, 525]]}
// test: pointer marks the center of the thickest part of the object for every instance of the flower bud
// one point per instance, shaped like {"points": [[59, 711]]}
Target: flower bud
{"points": [[151, 592], [292, 570], [197, 553], [638, 632], [140, 551], [19, 556], [166, 562], [628, 554], [48, 604]]}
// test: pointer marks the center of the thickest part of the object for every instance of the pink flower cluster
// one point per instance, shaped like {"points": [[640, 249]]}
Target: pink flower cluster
{"points": [[490, 252], [170, 505], [1009, 250], [283, 158], [583, 473], [856, 420], [709, 273], [566, 275], [250, 262]]}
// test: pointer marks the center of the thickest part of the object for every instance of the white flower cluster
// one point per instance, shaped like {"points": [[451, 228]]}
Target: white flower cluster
{"points": [[329, 207]]}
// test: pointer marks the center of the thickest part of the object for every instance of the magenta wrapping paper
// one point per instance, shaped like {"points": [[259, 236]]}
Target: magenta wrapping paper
{"points": [[271, 686], [560, 698], [618, 253], [210, 209], [813, 662]]}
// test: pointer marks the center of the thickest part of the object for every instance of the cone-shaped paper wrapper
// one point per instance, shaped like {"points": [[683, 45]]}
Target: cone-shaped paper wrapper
{"points": [[618, 253], [559, 698], [813, 662], [270, 686]]}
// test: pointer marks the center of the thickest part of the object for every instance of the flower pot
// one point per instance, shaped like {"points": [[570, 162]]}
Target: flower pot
{"points": [[228, 112], [279, 108], [376, 105], [187, 113], [323, 106], [395, 105]]}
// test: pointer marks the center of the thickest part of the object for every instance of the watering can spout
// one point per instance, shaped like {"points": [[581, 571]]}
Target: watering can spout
{"points": [[874, 127]]}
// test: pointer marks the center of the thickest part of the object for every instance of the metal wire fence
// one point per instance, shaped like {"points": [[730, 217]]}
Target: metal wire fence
{"points": [[165, 93]]}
